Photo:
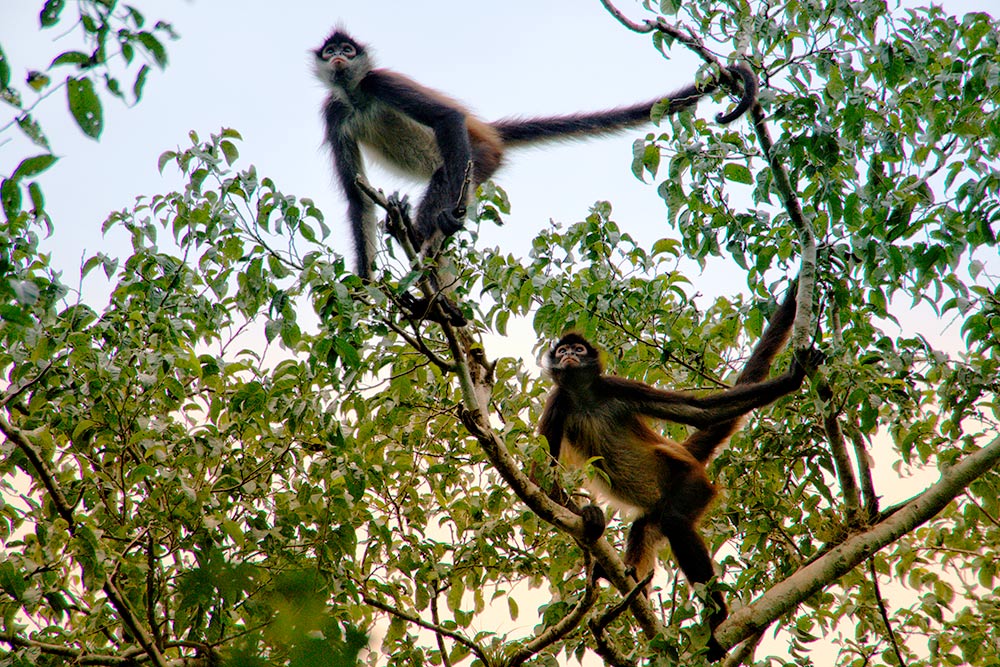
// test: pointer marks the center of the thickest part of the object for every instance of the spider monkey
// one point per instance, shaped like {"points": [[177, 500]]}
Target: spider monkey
{"points": [[428, 136], [591, 415]]}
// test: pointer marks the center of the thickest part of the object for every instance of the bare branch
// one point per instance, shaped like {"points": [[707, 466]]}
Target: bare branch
{"points": [[884, 613], [841, 461]]}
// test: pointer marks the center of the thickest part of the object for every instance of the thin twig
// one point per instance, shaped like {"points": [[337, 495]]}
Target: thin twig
{"points": [[884, 612], [564, 626], [416, 620]]}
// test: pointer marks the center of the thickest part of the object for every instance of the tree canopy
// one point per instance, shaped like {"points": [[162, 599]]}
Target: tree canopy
{"points": [[248, 456]]}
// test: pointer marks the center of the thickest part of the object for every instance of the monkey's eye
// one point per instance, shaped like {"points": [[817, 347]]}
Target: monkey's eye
{"points": [[348, 50], [328, 52]]}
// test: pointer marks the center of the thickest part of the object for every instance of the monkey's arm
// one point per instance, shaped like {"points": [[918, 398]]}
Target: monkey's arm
{"points": [[444, 117], [551, 424], [349, 165], [703, 411]]}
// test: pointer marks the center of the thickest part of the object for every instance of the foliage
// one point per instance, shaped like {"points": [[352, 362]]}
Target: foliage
{"points": [[250, 457]]}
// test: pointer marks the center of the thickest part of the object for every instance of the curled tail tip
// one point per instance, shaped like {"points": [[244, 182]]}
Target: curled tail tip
{"points": [[748, 98]]}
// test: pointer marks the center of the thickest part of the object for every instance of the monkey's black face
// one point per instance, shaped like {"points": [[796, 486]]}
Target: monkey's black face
{"points": [[573, 357]]}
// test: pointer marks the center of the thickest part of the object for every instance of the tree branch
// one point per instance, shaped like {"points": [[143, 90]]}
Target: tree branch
{"points": [[841, 461], [784, 596], [884, 613], [440, 630], [562, 628]]}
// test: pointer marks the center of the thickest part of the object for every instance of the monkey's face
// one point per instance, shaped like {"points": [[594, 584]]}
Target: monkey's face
{"points": [[572, 359], [341, 60], [568, 355], [338, 55]]}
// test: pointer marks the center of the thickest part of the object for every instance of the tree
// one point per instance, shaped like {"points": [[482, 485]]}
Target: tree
{"points": [[250, 457]]}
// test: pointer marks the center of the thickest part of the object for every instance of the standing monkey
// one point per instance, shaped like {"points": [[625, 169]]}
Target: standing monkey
{"points": [[426, 135], [590, 415]]}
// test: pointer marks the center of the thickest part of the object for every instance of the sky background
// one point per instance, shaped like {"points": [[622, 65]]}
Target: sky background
{"points": [[247, 65]]}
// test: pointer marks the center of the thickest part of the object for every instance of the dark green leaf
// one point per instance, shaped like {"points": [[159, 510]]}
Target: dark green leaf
{"points": [[737, 173], [78, 58], [4, 70], [140, 82], [33, 166], [10, 197], [49, 15], [154, 47], [85, 106]]}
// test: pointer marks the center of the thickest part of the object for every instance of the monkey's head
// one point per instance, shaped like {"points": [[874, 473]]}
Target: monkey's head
{"points": [[572, 356], [341, 59]]}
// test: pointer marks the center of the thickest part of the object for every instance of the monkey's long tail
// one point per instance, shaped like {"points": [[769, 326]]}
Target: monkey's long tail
{"points": [[703, 442], [522, 131], [519, 131]]}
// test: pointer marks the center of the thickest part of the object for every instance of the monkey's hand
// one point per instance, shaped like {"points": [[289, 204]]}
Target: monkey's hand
{"points": [[594, 523], [421, 308], [400, 211], [805, 362]]}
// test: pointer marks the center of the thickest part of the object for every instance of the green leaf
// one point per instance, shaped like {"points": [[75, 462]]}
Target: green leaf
{"points": [[4, 70], [85, 106], [10, 198], [737, 173], [49, 15], [140, 82], [165, 157], [230, 152], [33, 130], [33, 166], [78, 58], [37, 199], [154, 47]]}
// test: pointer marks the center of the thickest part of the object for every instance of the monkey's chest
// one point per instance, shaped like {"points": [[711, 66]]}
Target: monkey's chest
{"points": [[398, 142], [628, 468]]}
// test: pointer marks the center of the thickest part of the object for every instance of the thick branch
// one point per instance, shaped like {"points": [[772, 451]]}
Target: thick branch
{"points": [[841, 462], [784, 596]]}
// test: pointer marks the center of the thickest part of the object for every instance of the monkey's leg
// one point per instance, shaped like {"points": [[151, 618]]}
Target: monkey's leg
{"points": [[644, 539], [436, 214], [690, 495]]}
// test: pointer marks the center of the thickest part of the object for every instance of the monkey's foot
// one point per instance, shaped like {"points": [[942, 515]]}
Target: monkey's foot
{"points": [[448, 222], [715, 650], [807, 361], [400, 220]]}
